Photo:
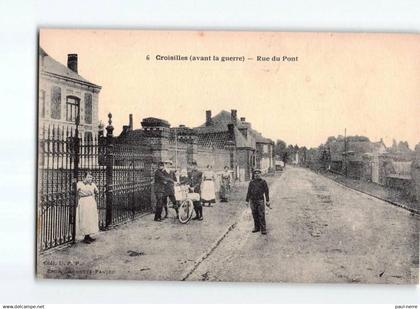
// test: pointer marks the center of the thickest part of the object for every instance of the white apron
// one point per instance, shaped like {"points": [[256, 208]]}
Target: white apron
{"points": [[87, 221]]}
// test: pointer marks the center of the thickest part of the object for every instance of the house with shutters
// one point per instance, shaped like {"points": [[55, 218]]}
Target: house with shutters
{"points": [[63, 95]]}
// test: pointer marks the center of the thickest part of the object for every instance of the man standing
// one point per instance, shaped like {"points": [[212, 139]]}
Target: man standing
{"points": [[257, 189], [170, 189], [164, 185], [195, 177]]}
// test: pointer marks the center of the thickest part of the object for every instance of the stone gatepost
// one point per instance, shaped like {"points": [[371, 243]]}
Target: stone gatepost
{"points": [[157, 132], [156, 136], [192, 149]]}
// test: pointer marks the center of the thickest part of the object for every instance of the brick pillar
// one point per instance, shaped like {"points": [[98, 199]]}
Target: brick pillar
{"points": [[156, 134], [192, 149]]}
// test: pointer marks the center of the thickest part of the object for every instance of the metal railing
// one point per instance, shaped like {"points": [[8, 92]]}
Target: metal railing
{"points": [[122, 173]]}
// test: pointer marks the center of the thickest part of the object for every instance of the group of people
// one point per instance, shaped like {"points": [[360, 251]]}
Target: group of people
{"points": [[199, 182], [202, 183]]}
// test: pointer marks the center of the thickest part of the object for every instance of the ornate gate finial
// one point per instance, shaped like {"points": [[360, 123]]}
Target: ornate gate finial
{"points": [[109, 128]]}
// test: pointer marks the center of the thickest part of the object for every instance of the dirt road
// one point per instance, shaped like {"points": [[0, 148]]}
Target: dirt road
{"points": [[319, 231]]}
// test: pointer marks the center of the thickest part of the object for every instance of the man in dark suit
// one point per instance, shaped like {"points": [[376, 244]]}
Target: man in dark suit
{"points": [[164, 186], [257, 190], [195, 177]]}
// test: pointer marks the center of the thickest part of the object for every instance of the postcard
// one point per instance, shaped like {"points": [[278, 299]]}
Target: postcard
{"points": [[228, 156]]}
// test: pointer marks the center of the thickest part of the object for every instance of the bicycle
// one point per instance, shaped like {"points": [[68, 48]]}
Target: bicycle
{"points": [[184, 207]]}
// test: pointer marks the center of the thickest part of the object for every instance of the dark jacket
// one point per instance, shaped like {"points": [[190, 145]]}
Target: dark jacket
{"points": [[257, 189], [164, 182], [184, 180], [195, 178]]}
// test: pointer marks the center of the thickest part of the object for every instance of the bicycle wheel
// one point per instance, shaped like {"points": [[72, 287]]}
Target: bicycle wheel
{"points": [[185, 211]]}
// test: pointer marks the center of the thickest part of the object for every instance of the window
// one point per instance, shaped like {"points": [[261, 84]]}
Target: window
{"points": [[265, 149], [56, 102], [72, 108], [88, 108], [88, 136], [42, 103]]}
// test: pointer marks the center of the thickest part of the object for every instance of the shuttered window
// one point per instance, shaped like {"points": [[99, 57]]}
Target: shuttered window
{"points": [[56, 102], [88, 108]]}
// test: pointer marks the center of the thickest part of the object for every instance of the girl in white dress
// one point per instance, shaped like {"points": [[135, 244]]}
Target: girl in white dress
{"points": [[87, 210], [208, 194]]}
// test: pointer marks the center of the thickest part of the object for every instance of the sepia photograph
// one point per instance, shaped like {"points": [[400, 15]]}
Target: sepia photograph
{"points": [[228, 156]]}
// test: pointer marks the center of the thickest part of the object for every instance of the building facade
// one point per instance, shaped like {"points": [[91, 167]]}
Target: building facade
{"points": [[223, 140], [64, 95]]}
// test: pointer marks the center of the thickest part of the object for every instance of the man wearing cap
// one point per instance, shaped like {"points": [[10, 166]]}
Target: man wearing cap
{"points": [[195, 177], [164, 187], [257, 190]]}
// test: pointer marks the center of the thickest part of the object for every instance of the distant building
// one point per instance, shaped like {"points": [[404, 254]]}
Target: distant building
{"points": [[264, 152], [353, 155], [225, 128], [63, 94]]}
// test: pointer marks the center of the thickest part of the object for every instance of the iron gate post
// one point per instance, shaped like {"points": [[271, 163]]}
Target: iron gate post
{"points": [[109, 171], [76, 145]]}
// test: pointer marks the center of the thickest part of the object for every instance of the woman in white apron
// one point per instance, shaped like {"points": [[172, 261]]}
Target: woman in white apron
{"points": [[208, 194], [87, 210]]}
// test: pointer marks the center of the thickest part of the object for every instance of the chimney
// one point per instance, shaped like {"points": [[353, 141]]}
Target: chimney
{"points": [[208, 118], [231, 131], [125, 130], [130, 122], [233, 114], [243, 119], [72, 62]]}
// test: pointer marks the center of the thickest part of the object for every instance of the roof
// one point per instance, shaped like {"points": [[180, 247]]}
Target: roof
{"points": [[219, 123], [259, 138], [218, 140], [241, 141], [217, 132], [50, 65]]}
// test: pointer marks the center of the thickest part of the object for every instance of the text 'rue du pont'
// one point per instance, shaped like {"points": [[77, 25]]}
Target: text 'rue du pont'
{"points": [[278, 58]]}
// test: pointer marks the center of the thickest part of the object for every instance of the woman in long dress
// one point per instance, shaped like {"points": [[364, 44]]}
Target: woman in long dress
{"points": [[225, 185], [208, 194], [87, 210]]}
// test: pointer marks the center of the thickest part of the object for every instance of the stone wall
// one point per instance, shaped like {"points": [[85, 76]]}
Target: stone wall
{"points": [[415, 174]]}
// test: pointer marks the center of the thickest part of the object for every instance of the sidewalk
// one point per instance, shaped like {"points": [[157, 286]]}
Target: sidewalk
{"points": [[144, 249], [374, 189]]}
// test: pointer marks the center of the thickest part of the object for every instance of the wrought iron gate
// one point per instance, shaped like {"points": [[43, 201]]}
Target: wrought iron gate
{"points": [[122, 173]]}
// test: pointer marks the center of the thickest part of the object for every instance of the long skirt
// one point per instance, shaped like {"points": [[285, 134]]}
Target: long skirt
{"points": [[224, 190], [87, 216], [208, 194]]}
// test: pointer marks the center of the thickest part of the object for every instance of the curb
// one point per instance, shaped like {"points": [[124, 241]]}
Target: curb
{"points": [[413, 211]]}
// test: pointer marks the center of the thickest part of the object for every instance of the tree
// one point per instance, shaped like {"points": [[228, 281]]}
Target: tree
{"points": [[394, 147], [403, 147], [280, 148], [330, 140]]}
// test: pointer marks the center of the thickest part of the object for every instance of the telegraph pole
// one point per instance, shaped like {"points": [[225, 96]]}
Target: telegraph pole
{"points": [[345, 152], [176, 149]]}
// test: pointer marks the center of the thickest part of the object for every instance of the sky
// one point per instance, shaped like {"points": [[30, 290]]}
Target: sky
{"points": [[368, 84]]}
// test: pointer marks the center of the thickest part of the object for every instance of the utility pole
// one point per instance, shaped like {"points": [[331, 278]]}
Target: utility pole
{"points": [[176, 149], [345, 152]]}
